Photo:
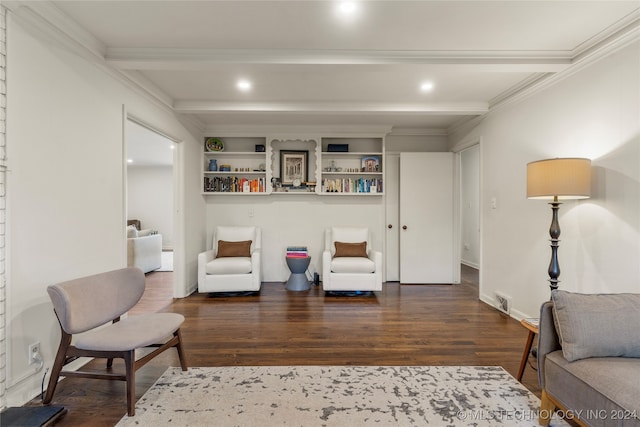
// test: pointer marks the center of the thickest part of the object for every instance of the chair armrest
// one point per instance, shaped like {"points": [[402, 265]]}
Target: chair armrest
{"points": [[256, 267], [547, 338], [376, 257], [326, 267], [203, 259]]}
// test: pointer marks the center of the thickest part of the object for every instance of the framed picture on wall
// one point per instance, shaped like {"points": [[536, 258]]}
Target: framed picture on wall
{"points": [[294, 166], [371, 164]]}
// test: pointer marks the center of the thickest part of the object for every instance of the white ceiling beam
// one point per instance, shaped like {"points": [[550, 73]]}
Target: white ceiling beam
{"points": [[469, 108], [179, 59]]}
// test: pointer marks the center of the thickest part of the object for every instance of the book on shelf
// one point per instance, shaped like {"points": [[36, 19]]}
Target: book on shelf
{"points": [[234, 184]]}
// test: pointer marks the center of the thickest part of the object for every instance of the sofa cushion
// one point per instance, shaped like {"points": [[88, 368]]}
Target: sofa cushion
{"points": [[597, 325], [234, 249], [229, 265], [344, 249], [602, 382], [352, 265]]}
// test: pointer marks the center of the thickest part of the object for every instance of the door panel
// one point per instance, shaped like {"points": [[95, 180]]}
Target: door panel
{"points": [[392, 214], [426, 218]]}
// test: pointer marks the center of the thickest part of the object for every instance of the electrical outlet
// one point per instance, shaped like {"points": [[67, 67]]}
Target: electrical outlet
{"points": [[34, 352]]}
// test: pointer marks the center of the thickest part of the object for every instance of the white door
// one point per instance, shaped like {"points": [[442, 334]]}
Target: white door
{"points": [[426, 218], [392, 215]]}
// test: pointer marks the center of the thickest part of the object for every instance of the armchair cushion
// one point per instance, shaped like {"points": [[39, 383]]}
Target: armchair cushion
{"points": [[344, 249], [352, 265], [598, 325], [234, 249], [229, 265]]}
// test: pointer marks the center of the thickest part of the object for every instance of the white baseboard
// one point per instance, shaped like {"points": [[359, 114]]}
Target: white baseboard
{"points": [[470, 264]]}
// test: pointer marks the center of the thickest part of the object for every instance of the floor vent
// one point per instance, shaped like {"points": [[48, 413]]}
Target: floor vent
{"points": [[503, 303]]}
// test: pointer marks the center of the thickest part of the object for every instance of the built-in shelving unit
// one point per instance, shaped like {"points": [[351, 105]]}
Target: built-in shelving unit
{"points": [[240, 167], [295, 166], [352, 166]]}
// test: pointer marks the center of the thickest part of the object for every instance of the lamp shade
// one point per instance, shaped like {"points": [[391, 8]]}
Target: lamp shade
{"points": [[564, 178]]}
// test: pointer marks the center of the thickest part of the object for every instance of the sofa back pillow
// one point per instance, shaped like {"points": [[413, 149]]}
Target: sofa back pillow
{"points": [[597, 325]]}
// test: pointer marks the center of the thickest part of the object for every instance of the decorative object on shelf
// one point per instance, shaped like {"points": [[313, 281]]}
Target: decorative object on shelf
{"points": [[262, 167], [293, 165], [213, 165], [225, 168], [214, 144], [338, 148], [558, 179], [260, 148], [371, 164]]}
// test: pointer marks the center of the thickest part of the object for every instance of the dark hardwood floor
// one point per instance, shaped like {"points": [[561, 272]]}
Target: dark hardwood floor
{"points": [[402, 325]]}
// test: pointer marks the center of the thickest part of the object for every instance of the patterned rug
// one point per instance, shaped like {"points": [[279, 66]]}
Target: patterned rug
{"points": [[351, 396]]}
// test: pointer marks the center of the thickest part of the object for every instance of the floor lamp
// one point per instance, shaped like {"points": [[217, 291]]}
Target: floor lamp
{"points": [[558, 179]]}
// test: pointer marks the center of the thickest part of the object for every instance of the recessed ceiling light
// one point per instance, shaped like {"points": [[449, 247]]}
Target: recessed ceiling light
{"points": [[129, 160], [426, 87], [244, 85], [347, 7]]}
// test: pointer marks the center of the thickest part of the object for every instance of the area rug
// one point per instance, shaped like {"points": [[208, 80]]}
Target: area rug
{"points": [[351, 396]]}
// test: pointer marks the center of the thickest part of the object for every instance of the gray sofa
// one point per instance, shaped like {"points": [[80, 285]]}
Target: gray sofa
{"points": [[589, 358]]}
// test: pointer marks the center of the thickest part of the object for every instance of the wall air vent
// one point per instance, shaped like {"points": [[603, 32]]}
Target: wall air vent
{"points": [[503, 303]]}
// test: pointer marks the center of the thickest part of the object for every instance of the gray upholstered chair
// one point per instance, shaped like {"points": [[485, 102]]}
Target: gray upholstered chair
{"points": [[84, 304], [233, 264], [349, 262]]}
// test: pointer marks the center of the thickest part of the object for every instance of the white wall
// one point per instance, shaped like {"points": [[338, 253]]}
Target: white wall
{"points": [[150, 199], [469, 206], [295, 220], [594, 113], [418, 143], [65, 190]]}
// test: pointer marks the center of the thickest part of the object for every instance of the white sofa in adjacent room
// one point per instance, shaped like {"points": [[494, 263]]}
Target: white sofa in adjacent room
{"points": [[144, 249]]}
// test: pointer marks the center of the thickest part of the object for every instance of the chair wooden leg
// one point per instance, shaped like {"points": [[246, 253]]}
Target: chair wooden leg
{"points": [[61, 356], [181, 353], [547, 408], [129, 360], [109, 362]]}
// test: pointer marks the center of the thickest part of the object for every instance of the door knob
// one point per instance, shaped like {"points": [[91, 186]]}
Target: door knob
{"points": [[404, 227], [389, 226]]}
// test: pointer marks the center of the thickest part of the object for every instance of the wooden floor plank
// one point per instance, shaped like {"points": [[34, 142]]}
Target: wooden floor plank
{"points": [[402, 325]]}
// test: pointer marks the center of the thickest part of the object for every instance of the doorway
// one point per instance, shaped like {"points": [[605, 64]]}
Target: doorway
{"points": [[470, 247], [150, 190]]}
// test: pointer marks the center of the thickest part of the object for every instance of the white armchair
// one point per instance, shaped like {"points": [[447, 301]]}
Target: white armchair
{"points": [[355, 266], [232, 265]]}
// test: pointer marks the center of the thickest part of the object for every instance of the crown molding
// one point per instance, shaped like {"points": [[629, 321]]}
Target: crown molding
{"points": [[148, 86], [616, 37], [46, 17], [47, 22], [605, 47]]}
